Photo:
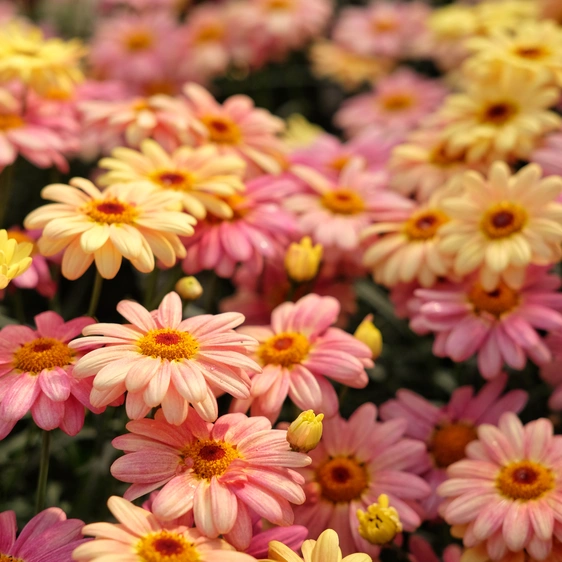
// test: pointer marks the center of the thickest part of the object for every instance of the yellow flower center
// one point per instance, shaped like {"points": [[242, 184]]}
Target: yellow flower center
{"points": [[340, 162], [384, 25], [499, 113], [343, 201], [155, 87], [177, 180], [8, 558], [423, 225], [524, 480], [532, 52], [208, 457], [140, 104], [275, 5], [285, 349], [10, 121], [170, 344], [503, 219], [111, 211], [166, 546], [497, 302], [397, 102], [57, 94], [211, 32], [43, 353], [139, 40], [449, 441], [439, 157], [222, 130], [342, 479]]}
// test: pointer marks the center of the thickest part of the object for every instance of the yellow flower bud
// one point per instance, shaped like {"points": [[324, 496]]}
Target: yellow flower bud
{"points": [[305, 432], [189, 288], [14, 258], [368, 333], [299, 132], [380, 523], [302, 260]]}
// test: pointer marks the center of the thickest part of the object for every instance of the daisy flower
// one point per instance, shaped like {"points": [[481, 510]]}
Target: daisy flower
{"points": [[297, 352], [220, 470], [398, 103], [140, 536], [499, 325], [200, 175], [547, 155], [502, 223], [447, 430], [236, 127], [14, 258], [161, 360], [36, 373], [124, 221], [355, 462], [507, 490]]}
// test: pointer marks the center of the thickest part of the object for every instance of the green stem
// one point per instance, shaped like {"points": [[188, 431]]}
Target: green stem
{"points": [[6, 186], [43, 471], [151, 284], [96, 292]]}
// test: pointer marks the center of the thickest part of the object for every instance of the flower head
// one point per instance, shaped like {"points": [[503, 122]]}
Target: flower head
{"points": [[380, 523], [14, 258]]}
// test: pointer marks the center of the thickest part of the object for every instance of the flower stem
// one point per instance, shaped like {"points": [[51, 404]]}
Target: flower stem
{"points": [[43, 471], [96, 292], [6, 186], [151, 284]]}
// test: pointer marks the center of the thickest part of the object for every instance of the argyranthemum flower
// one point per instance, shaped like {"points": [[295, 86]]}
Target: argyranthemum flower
{"points": [[447, 430], [297, 352], [14, 258], [355, 462], [503, 223], [200, 175], [161, 360], [220, 470], [36, 374], [124, 221], [507, 490], [141, 537]]}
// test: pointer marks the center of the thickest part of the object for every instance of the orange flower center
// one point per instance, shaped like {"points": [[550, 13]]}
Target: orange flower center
{"points": [[139, 40], [155, 87], [342, 479], [211, 32], [140, 104], [58, 94], [10, 121], [499, 113], [497, 302], [209, 457], [524, 480], [448, 443], [43, 353], [277, 5], [167, 343], [8, 558], [439, 157], [222, 130], [534, 52], [166, 546], [343, 201], [503, 219], [285, 349], [340, 162], [397, 102], [177, 180], [384, 25], [111, 211], [423, 225]]}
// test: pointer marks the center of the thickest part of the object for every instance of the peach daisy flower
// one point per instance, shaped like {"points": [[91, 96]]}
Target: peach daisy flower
{"points": [[141, 537], [221, 470], [201, 175], [161, 360], [297, 352], [124, 221], [502, 223], [356, 461], [507, 491]]}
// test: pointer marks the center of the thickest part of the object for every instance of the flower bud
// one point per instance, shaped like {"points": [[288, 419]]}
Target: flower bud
{"points": [[368, 333], [305, 432], [380, 523], [189, 288], [302, 260]]}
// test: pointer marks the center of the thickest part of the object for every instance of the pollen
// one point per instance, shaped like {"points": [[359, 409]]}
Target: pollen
{"points": [[166, 546], [343, 201], [449, 441], [111, 211], [10, 121], [503, 219], [170, 344], [285, 349], [43, 353], [424, 225], [209, 457], [342, 479], [222, 130], [524, 480], [497, 302], [178, 180]]}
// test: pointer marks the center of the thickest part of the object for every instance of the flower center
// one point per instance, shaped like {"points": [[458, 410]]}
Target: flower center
{"points": [[10, 121], [499, 113], [222, 130], [285, 349], [342, 479], [212, 32], [43, 353], [424, 225], [208, 457], [384, 25], [343, 201], [177, 180], [8, 558], [524, 480], [166, 546], [170, 344], [397, 102], [111, 211], [534, 52], [139, 40], [449, 442], [503, 219], [340, 162], [497, 302], [275, 5]]}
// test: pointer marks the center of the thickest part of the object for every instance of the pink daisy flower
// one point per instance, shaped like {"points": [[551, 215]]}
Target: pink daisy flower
{"points": [[499, 325], [161, 360], [36, 373], [140, 536], [447, 430], [297, 352], [508, 489], [221, 470], [292, 536], [355, 462], [258, 230], [399, 103], [548, 155], [49, 536]]}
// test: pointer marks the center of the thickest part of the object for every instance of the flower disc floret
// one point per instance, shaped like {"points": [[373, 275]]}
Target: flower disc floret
{"points": [[166, 546], [111, 211], [166, 343], [448, 443], [524, 480], [343, 201], [499, 301], [285, 349], [424, 224], [342, 479], [209, 457], [42, 353]]}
